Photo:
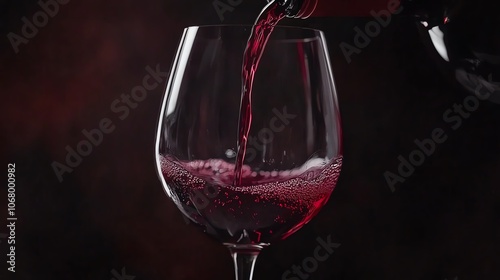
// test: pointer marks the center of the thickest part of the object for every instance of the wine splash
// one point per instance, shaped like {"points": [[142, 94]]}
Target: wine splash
{"points": [[261, 31]]}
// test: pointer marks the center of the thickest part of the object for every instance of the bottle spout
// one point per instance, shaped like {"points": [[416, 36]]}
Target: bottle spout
{"points": [[297, 8]]}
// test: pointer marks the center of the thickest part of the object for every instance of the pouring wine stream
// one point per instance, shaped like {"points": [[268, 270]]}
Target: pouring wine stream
{"points": [[245, 257], [261, 31]]}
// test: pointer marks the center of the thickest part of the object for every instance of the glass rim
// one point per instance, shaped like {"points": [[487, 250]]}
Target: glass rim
{"points": [[249, 26]]}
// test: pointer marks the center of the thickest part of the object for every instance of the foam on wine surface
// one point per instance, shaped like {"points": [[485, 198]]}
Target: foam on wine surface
{"points": [[265, 206]]}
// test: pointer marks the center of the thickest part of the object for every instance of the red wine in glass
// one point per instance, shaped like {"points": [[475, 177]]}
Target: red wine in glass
{"points": [[268, 206]]}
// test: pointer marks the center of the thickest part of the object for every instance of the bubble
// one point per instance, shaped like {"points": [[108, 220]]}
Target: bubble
{"points": [[230, 153]]}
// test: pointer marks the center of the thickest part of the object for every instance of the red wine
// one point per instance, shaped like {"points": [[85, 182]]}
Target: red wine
{"points": [[261, 31], [265, 207]]}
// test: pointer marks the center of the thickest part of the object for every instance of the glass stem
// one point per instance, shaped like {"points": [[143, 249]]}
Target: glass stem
{"points": [[244, 261]]}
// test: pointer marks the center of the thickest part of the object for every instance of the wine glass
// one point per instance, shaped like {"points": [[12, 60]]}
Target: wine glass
{"points": [[294, 149]]}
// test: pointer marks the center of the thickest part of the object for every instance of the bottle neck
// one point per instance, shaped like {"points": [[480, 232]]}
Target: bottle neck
{"points": [[298, 8]]}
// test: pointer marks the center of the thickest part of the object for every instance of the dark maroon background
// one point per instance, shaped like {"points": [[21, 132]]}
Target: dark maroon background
{"points": [[111, 211]]}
